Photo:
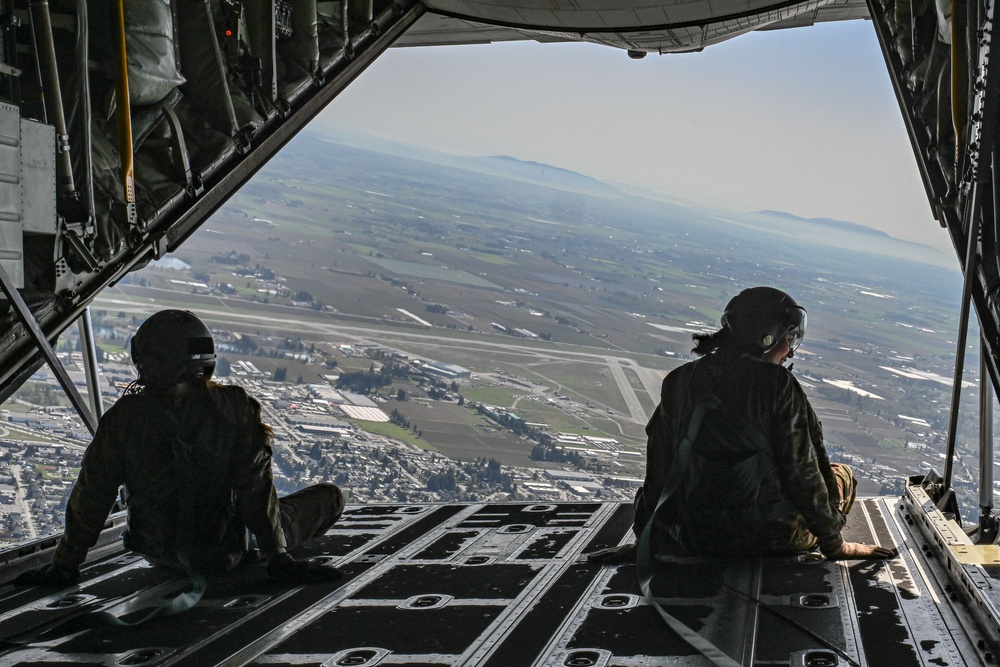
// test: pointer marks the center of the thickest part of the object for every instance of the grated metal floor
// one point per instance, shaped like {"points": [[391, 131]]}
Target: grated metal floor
{"points": [[506, 585]]}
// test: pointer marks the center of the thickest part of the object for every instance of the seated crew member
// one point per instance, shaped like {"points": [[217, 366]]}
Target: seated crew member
{"points": [[195, 461], [758, 480]]}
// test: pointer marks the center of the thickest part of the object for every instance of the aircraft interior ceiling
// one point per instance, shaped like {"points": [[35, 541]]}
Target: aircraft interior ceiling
{"points": [[653, 27]]}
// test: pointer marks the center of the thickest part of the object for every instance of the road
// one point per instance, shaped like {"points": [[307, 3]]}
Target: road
{"points": [[19, 499]]}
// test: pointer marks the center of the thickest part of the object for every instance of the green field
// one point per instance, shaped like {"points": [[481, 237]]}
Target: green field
{"points": [[392, 431], [556, 418], [591, 382], [498, 396]]}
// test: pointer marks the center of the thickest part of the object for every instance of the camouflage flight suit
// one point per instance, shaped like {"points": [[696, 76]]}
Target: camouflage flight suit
{"points": [[759, 480], [196, 475]]}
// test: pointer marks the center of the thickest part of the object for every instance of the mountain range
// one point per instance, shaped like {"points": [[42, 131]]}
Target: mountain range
{"points": [[821, 231]]}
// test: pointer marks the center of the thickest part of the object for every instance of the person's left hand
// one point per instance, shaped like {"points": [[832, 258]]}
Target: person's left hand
{"points": [[285, 568], [856, 551], [53, 575]]}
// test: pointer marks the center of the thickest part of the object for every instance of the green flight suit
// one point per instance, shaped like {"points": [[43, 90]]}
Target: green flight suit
{"points": [[197, 475], [758, 481]]}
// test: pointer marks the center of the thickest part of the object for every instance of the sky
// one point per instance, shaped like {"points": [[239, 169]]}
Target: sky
{"points": [[802, 120]]}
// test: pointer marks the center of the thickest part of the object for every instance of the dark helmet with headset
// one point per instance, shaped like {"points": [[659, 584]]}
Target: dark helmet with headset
{"points": [[762, 316], [170, 346]]}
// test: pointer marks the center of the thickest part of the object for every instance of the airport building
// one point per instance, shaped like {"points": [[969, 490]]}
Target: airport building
{"points": [[447, 371]]}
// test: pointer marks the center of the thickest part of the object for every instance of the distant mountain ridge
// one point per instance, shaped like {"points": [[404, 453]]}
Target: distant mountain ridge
{"points": [[841, 234], [842, 225], [541, 172], [822, 231], [504, 166]]}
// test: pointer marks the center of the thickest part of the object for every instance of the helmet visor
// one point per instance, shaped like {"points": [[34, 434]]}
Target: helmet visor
{"points": [[795, 331], [201, 347]]}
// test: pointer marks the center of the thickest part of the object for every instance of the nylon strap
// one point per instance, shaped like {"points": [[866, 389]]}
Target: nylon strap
{"points": [[644, 557], [683, 456], [89, 620], [644, 564]]}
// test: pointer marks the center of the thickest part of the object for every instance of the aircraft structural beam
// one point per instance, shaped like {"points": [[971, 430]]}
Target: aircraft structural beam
{"points": [[31, 326], [86, 325], [987, 522], [972, 238]]}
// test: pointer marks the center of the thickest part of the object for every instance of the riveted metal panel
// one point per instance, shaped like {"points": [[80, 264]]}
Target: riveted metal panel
{"points": [[11, 228], [38, 177]]}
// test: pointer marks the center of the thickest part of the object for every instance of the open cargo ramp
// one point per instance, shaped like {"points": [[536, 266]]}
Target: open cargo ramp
{"points": [[507, 584]]}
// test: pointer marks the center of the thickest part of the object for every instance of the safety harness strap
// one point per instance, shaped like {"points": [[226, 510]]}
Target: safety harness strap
{"points": [[644, 562], [87, 619], [644, 557]]}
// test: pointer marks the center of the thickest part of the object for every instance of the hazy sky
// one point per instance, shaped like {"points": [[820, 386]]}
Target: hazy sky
{"points": [[801, 120]]}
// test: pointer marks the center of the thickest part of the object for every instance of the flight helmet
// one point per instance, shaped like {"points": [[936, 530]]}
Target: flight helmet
{"points": [[172, 345], [762, 316]]}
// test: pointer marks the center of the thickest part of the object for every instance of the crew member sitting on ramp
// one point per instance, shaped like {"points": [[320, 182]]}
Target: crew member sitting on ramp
{"points": [[194, 458], [735, 462]]}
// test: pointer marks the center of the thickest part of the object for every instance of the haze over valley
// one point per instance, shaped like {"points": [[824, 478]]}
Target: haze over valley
{"points": [[426, 327]]}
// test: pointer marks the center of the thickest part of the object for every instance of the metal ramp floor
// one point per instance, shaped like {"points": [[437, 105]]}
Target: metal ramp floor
{"points": [[507, 585]]}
